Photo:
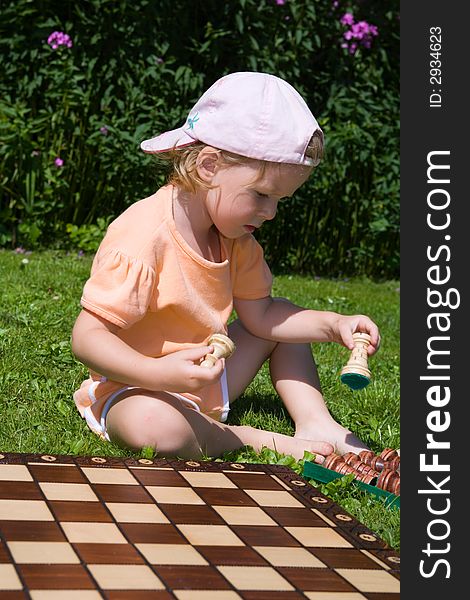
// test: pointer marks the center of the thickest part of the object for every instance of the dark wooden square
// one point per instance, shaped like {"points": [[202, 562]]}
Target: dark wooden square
{"points": [[191, 513], [189, 577]]}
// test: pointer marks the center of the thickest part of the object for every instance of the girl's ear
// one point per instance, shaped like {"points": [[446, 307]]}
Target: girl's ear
{"points": [[206, 163]]}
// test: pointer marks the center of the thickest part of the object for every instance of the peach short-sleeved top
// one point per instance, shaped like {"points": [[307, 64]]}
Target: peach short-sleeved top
{"points": [[163, 295]]}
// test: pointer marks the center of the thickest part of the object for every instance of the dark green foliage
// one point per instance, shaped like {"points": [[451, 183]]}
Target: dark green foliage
{"points": [[137, 67]]}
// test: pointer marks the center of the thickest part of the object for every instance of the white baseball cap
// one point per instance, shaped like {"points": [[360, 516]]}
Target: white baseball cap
{"points": [[252, 114]]}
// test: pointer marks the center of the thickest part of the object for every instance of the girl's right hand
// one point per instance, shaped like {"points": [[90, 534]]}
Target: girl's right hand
{"points": [[181, 372]]}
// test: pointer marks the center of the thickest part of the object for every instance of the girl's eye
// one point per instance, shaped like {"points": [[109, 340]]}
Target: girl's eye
{"points": [[262, 195]]}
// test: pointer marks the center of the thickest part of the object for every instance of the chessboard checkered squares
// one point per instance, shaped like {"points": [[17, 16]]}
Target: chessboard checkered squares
{"points": [[174, 495], [188, 531], [80, 492], [14, 473], [24, 510], [43, 552], [212, 480], [126, 577], [244, 515], [206, 595], [210, 535], [128, 512], [9, 578], [65, 595], [334, 596], [81, 532], [368, 580], [318, 537], [110, 476], [274, 498], [255, 578], [294, 557], [171, 554]]}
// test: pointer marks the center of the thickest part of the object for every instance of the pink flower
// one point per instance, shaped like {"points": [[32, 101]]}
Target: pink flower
{"points": [[361, 32], [58, 162], [59, 38], [104, 130], [280, 2], [347, 19]]}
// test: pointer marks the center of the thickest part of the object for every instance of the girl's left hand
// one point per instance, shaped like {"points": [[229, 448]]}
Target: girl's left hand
{"points": [[347, 325]]}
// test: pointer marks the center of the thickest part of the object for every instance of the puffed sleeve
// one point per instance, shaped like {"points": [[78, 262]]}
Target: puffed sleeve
{"points": [[251, 277], [119, 289]]}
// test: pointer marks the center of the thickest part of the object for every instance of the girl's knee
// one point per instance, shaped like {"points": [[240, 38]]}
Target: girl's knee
{"points": [[153, 422]]}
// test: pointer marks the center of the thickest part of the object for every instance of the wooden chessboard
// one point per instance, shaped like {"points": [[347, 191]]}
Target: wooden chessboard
{"points": [[83, 528]]}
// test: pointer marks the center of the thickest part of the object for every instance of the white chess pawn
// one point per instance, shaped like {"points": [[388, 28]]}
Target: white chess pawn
{"points": [[223, 348]]}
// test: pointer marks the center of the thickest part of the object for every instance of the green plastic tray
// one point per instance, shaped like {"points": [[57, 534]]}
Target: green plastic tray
{"points": [[319, 473]]}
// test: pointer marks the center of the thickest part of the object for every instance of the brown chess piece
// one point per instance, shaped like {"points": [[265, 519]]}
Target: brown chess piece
{"points": [[356, 373], [223, 348]]}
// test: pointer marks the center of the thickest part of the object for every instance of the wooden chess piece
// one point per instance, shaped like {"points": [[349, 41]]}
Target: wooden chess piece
{"points": [[356, 373], [223, 348]]}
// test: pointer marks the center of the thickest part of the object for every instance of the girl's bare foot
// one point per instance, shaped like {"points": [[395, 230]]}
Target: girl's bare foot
{"points": [[284, 444], [341, 438]]}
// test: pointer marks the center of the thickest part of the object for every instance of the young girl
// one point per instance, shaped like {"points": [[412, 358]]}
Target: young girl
{"points": [[173, 266]]}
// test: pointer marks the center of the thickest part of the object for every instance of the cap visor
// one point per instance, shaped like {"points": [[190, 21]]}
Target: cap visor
{"points": [[166, 141]]}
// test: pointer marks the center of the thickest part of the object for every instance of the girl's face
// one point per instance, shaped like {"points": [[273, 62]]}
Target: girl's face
{"points": [[242, 201]]}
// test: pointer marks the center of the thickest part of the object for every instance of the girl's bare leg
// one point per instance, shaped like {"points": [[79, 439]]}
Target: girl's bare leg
{"points": [[163, 422], [295, 379]]}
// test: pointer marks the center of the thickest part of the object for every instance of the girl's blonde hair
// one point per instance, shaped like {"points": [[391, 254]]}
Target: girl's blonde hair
{"points": [[183, 162]]}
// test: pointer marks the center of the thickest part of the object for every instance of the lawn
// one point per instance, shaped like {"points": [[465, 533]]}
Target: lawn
{"points": [[38, 373]]}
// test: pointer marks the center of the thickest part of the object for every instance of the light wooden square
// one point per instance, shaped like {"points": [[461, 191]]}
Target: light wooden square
{"points": [[171, 554], [65, 595], [274, 498], [206, 595], [318, 537], [132, 512], [110, 475], [92, 533], [125, 577], [280, 556], [255, 578], [25, 510], [210, 535], [14, 473], [371, 580], [174, 495], [244, 515], [334, 596], [81, 492], [9, 580], [209, 480], [43, 552]]}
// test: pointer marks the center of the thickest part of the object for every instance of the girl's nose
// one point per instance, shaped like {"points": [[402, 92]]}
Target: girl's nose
{"points": [[270, 209]]}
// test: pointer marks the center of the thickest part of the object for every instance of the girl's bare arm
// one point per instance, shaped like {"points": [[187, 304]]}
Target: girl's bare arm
{"points": [[280, 320]]}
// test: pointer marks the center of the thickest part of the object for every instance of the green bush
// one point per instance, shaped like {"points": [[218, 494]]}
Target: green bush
{"points": [[135, 69]]}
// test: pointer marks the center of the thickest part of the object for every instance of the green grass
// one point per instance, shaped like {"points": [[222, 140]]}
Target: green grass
{"points": [[38, 373]]}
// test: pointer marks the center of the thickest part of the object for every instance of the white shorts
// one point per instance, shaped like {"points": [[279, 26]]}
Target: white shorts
{"points": [[100, 427]]}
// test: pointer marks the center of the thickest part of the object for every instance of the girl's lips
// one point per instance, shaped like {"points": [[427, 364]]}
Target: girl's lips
{"points": [[250, 228]]}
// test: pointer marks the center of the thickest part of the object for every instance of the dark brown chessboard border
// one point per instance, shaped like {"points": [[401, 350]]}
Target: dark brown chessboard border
{"points": [[80, 528]]}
